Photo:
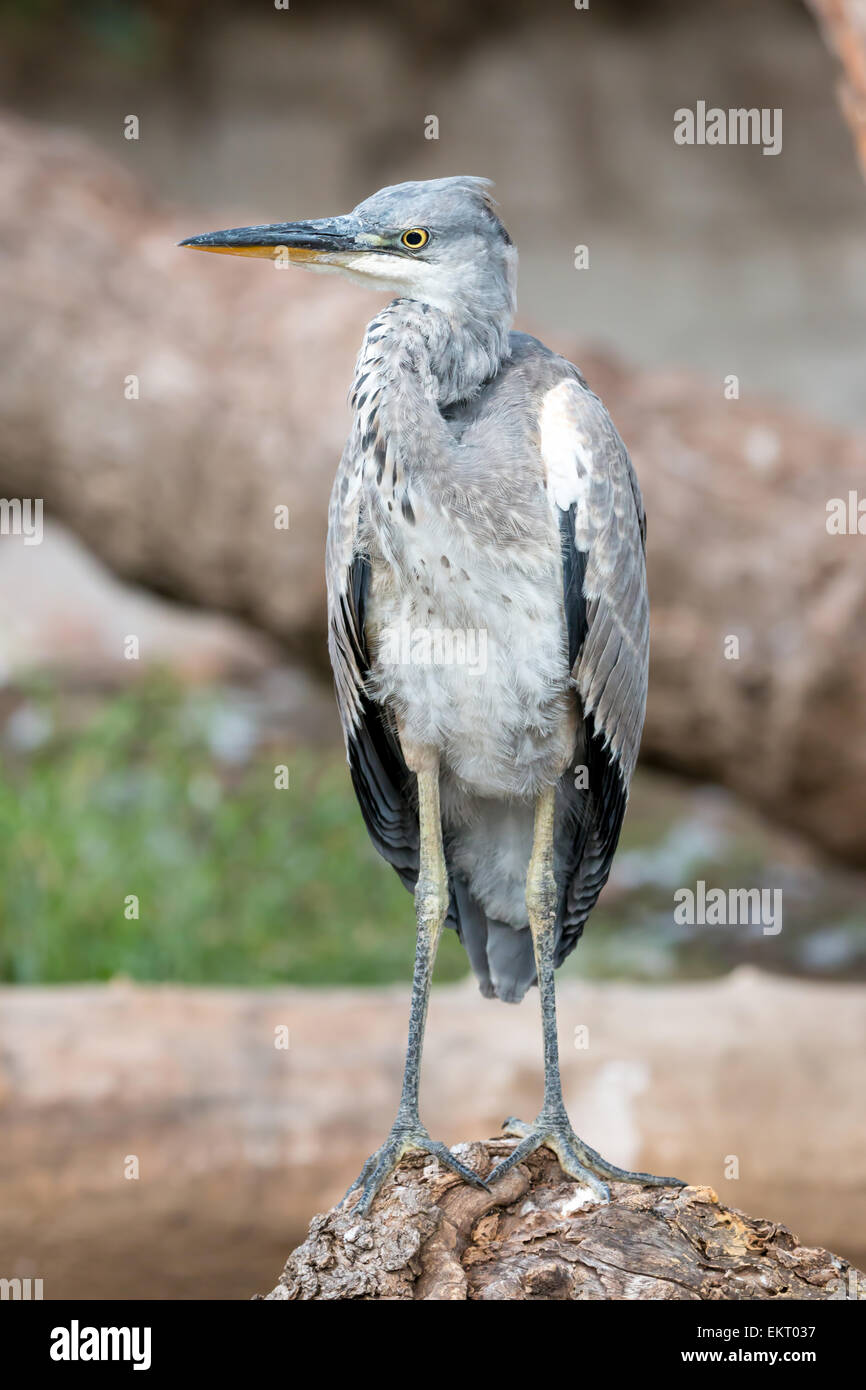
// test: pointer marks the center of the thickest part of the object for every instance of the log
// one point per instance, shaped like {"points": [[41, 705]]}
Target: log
{"points": [[243, 372], [536, 1236], [752, 1084], [843, 25]]}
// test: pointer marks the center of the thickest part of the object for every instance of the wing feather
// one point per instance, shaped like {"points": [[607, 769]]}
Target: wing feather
{"points": [[596, 499], [379, 774]]}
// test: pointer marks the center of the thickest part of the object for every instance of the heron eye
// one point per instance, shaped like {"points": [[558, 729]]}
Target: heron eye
{"points": [[415, 238]]}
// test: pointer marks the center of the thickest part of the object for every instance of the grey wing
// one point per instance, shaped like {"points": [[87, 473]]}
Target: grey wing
{"points": [[379, 774], [596, 499]]}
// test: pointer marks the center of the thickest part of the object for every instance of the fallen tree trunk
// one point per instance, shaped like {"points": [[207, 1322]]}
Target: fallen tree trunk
{"points": [[843, 24], [758, 675], [242, 1141], [537, 1236]]}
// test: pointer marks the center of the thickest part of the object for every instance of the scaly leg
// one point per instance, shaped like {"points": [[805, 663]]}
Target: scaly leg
{"points": [[552, 1127], [431, 905]]}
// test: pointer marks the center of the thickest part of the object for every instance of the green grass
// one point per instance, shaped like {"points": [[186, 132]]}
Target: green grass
{"points": [[237, 882], [169, 795]]}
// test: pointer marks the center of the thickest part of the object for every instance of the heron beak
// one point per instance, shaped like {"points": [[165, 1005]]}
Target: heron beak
{"points": [[295, 241]]}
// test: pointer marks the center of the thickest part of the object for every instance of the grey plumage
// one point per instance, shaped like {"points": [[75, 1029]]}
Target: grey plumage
{"points": [[488, 621], [484, 489]]}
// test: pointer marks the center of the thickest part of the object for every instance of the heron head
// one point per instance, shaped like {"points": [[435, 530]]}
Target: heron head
{"points": [[439, 241]]}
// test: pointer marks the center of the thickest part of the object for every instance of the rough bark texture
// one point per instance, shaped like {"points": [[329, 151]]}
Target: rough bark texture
{"points": [[243, 372], [537, 1235], [240, 1141]]}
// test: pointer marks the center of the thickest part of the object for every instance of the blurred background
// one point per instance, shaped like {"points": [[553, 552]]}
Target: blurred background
{"points": [[164, 907]]}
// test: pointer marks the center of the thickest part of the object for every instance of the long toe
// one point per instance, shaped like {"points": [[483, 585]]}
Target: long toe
{"points": [[576, 1159], [600, 1165], [385, 1160], [516, 1129], [527, 1146], [359, 1181], [573, 1168], [447, 1158]]}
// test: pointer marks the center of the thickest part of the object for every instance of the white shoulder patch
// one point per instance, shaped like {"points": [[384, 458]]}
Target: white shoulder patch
{"points": [[565, 447]]}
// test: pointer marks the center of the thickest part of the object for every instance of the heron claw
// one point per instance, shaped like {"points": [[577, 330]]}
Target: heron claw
{"points": [[576, 1159], [381, 1164]]}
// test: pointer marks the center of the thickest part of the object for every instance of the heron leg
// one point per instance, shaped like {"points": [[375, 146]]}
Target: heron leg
{"points": [[552, 1126], [431, 905]]}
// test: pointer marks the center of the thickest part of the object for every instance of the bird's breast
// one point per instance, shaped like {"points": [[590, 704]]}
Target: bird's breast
{"points": [[470, 650]]}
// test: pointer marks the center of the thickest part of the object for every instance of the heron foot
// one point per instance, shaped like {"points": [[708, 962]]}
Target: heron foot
{"points": [[576, 1158], [380, 1165]]}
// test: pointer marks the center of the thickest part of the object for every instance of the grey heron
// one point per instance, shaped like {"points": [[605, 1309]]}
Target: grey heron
{"points": [[484, 500]]}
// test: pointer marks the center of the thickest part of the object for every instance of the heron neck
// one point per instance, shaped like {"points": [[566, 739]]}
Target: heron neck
{"points": [[472, 352], [463, 346], [412, 364], [416, 360]]}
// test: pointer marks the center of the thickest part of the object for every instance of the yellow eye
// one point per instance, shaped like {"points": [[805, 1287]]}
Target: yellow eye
{"points": [[415, 238]]}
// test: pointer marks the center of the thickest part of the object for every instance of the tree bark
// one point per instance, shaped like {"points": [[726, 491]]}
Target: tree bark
{"points": [[538, 1236], [758, 675], [843, 24]]}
